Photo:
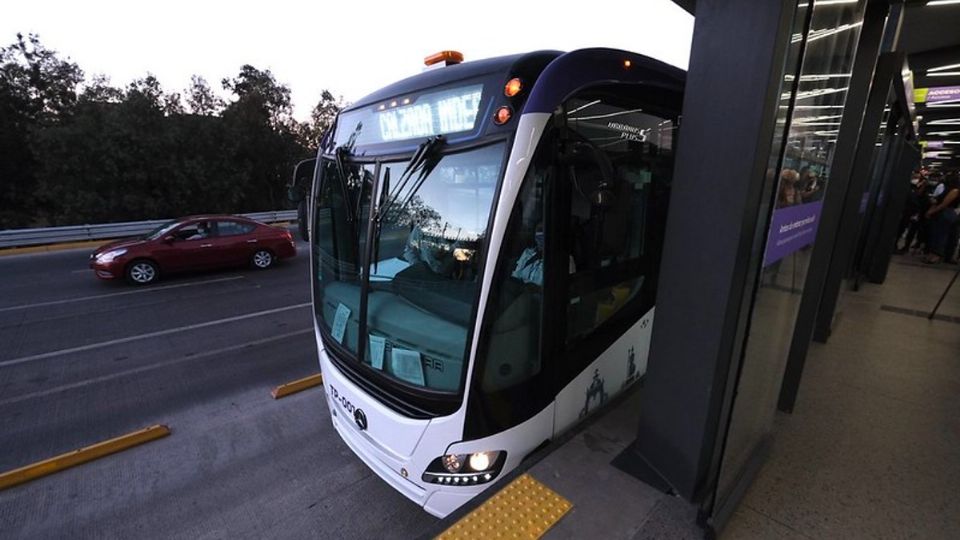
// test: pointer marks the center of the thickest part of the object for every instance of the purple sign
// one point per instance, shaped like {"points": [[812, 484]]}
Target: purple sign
{"points": [[934, 144], [941, 94], [791, 228]]}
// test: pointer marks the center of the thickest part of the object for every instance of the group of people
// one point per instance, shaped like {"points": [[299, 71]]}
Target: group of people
{"points": [[798, 187], [931, 218]]}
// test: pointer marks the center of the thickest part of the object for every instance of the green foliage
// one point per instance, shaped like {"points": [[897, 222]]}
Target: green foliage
{"points": [[37, 89], [321, 118], [76, 152]]}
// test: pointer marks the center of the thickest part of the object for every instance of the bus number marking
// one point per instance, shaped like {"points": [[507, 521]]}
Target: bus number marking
{"points": [[342, 400]]}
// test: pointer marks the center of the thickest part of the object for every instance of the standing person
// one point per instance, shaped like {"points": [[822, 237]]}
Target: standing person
{"points": [[788, 195], [913, 214], [942, 217], [809, 187], [953, 235]]}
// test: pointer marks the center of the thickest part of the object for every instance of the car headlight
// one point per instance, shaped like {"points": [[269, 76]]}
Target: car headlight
{"points": [[465, 469], [109, 256]]}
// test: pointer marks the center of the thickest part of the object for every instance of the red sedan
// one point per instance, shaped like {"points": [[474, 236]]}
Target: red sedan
{"points": [[193, 243]]}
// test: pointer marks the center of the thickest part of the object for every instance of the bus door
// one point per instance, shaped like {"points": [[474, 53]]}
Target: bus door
{"points": [[615, 158]]}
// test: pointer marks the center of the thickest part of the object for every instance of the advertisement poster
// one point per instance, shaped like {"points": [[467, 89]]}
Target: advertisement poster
{"points": [[791, 229]]}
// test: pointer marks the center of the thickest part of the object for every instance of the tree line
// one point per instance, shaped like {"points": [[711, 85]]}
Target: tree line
{"points": [[75, 150]]}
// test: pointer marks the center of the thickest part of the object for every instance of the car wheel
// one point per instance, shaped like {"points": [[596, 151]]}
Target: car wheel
{"points": [[142, 272], [263, 259]]}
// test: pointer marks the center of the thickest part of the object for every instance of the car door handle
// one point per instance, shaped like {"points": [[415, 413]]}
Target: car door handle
{"points": [[252, 241], [206, 245]]}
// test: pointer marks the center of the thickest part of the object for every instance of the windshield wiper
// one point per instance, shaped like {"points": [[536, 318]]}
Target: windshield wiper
{"points": [[384, 189], [422, 162], [339, 157]]}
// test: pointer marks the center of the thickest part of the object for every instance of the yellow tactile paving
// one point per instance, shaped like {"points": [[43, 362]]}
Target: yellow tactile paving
{"points": [[524, 509]]}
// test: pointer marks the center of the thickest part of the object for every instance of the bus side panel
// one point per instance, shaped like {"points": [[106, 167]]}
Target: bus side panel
{"points": [[612, 372]]}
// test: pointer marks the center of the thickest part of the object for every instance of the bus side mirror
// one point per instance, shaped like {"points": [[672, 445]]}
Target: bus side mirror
{"points": [[300, 182]]}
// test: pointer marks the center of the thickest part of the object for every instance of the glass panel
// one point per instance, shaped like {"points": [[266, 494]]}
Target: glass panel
{"points": [[424, 279], [339, 241], [233, 228], [799, 178], [509, 383], [161, 231], [194, 231], [513, 347], [617, 159]]}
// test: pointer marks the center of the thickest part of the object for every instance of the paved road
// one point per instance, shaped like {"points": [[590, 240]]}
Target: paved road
{"points": [[83, 360]]}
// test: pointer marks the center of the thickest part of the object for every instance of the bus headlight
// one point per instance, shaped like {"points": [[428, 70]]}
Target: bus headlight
{"points": [[480, 461], [465, 469], [453, 462]]}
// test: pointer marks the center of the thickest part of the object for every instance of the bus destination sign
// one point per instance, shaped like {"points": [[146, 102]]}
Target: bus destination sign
{"points": [[448, 111]]}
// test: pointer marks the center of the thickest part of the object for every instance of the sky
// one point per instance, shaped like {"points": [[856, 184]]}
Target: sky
{"points": [[350, 48]]}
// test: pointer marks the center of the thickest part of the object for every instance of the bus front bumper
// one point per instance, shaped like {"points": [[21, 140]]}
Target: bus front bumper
{"points": [[402, 473]]}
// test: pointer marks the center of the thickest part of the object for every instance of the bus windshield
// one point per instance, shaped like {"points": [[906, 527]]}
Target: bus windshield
{"points": [[427, 235]]}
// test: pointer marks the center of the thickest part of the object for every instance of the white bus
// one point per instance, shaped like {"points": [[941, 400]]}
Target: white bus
{"points": [[485, 243]]}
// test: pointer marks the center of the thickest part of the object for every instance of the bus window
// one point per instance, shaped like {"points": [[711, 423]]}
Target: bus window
{"points": [[337, 252], [615, 157], [509, 384], [514, 336]]}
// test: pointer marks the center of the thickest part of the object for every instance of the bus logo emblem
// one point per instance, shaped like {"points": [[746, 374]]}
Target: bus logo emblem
{"points": [[361, 419]]}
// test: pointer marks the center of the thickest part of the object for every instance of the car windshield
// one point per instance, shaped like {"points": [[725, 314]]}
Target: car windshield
{"points": [[424, 275], [161, 230]]}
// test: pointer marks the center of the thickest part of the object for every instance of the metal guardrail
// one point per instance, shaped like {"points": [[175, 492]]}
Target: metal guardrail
{"points": [[76, 233]]}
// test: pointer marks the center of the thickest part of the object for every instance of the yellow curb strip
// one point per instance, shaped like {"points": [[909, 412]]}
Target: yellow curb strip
{"points": [[54, 247], [81, 455], [296, 386], [525, 508]]}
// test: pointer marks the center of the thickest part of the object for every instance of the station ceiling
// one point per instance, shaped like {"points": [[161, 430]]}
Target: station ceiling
{"points": [[930, 36]]}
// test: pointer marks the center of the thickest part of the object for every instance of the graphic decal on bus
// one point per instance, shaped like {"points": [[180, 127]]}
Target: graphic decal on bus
{"points": [[632, 372], [595, 394]]}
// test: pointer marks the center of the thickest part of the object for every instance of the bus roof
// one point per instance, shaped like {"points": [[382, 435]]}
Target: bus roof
{"points": [[456, 72]]}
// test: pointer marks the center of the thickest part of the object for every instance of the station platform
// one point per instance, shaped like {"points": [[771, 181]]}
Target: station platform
{"points": [[872, 449]]}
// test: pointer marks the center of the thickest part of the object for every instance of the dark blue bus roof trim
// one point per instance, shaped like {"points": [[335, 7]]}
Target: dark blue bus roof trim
{"points": [[574, 70], [446, 75]]}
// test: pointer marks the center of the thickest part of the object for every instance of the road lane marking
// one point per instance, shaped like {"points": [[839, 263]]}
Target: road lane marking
{"points": [[92, 346], [298, 385], [124, 293], [151, 367], [81, 455]]}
